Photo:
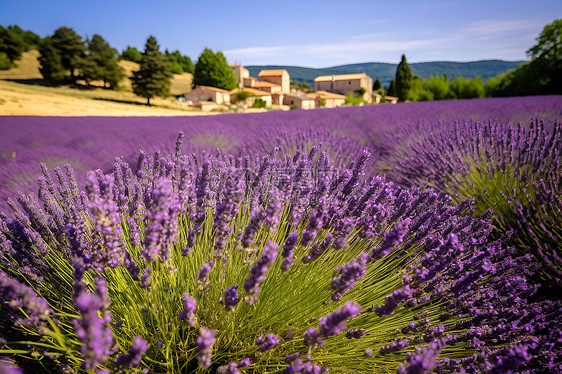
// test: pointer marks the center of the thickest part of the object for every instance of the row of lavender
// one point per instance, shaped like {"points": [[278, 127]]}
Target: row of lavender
{"points": [[93, 142], [387, 262], [280, 263]]}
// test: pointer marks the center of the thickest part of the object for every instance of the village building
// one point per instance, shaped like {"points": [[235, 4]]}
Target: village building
{"points": [[345, 84], [278, 77], [241, 73], [206, 93], [327, 99], [205, 105], [298, 101], [378, 98], [257, 94]]}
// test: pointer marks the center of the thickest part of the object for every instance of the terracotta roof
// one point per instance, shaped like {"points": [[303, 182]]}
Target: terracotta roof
{"points": [[212, 88], [265, 84], [341, 77], [325, 95], [272, 73]]}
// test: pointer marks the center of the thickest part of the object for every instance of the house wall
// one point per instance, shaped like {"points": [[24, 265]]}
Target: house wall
{"points": [[205, 94], [347, 86], [298, 102], [334, 103], [283, 80]]}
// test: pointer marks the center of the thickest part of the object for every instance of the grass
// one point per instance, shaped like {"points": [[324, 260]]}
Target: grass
{"points": [[24, 92]]}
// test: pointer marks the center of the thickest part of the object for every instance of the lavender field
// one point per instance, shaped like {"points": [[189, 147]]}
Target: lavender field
{"points": [[390, 238]]}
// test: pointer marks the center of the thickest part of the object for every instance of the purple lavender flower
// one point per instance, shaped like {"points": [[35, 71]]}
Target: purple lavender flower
{"points": [[145, 279], [312, 336], [355, 333], [292, 357], [94, 332], [350, 273], [260, 268], [422, 360], [267, 343], [288, 249], [392, 301], [132, 359], [394, 346], [18, 295], [245, 362], [333, 323], [204, 346], [230, 298], [204, 272], [188, 312], [231, 368]]}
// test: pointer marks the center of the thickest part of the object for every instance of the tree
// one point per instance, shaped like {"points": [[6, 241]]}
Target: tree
{"points": [[29, 39], [153, 78], [131, 54], [70, 47], [10, 45], [179, 63], [101, 63], [212, 70], [403, 79], [546, 58], [377, 85], [391, 91], [50, 63]]}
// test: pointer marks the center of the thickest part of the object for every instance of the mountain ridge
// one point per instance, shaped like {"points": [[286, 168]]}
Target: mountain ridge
{"points": [[386, 71]]}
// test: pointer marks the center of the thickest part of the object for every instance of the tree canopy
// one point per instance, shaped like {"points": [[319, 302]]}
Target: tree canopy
{"points": [[404, 79], [179, 63], [11, 47], [100, 63], [132, 54], [212, 70], [153, 78]]}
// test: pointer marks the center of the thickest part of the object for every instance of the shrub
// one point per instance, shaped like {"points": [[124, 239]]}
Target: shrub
{"points": [[259, 103]]}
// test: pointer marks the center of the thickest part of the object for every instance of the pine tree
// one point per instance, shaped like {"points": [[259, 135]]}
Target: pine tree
{"points": [[403, 81], [153, 78], [377, 85], [10, 44], [212, 70], [101, 63]]}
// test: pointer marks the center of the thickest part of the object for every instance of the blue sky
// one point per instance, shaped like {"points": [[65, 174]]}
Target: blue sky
{"points": [[304, 33]]}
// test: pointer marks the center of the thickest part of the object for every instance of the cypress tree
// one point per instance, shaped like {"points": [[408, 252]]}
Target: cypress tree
{"points": [[391, 91], [153, 78], [404, 79], [377, 85]]}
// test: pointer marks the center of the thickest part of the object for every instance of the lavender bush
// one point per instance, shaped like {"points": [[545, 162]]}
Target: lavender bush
{"points": [[514, 170], [303, 264]]}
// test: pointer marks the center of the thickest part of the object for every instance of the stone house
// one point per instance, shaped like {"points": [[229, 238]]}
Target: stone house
{"points": [[345, 84], [206, 93], [279, 77], [241, 73], [327, 99], [299, 101]]}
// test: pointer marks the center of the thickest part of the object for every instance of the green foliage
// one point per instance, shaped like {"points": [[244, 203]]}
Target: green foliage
{"points": [[440, 87], [301, 85], [101, 63], [5, 62], [241, 96], [212, 70], [351, 99], [50, 63], [391, 91], [360, 91], [10, 44], [132, 54], [468, 88], [377, 84], [70, 47], [542, 75], [180, 64], [259, 103], [29, 39], [404, 79], [153, 78]]}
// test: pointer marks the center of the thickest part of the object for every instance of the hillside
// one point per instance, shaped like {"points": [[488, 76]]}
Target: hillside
{"points": [[385, 72], [24, 92]]}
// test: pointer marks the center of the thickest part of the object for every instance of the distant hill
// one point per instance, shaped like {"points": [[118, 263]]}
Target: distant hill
{"points": [[385, 72]]}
